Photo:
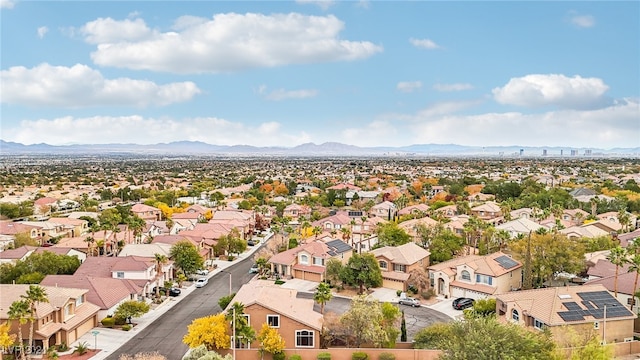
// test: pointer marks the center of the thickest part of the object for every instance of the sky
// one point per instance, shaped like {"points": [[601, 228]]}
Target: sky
{"points": [[284, 73]]}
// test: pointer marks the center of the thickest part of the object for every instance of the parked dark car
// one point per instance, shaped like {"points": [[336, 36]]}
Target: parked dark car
{"points": [[172, 291], [251, 242], [463, 303]]}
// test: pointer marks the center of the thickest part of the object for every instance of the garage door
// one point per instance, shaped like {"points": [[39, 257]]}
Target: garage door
{"points": [[457, 292], [85, 328], [393, 284]]}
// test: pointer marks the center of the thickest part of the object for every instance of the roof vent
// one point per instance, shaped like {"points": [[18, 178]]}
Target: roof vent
{"points": [[564, 296]]}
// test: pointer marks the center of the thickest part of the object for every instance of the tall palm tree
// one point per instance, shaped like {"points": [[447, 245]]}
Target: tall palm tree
{"points": [[618, 257], [19, 310], [634, 262], [35, 294], [322, 295], [160, 260], [90, 243]]}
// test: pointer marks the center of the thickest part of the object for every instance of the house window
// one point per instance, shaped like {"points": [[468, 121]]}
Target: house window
{"points": [[273, 321], [120, 274], [68, 310], [465, 275], [515, 316], [383, 264], [318, 261], [304, 338], [247, 319], [484, 279], [304, 259], [399, 267], [538, 324], [79, 300]]}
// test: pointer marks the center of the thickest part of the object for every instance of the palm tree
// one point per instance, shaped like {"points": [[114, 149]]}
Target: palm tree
{"points": [[35, 295], [322, 295], [634, 262], [19, 310], [160, 260], [90, 242], [617, 256], [317, 230]]}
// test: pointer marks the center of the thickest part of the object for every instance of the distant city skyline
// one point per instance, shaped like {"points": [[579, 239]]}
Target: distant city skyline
{"points": [[285, 73]]}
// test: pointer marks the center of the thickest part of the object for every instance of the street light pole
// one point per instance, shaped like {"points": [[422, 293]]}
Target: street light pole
{"points": [[233, 341]]}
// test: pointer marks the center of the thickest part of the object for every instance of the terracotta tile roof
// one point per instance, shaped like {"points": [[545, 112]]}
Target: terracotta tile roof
{"points": [[486, 289], [230, 214], [489, 206], [486, 265], [58, 297], [145, 250], [309, 268], [12, 228], [395, 275], [171, 239], [544, 304], [140, 208], [17, 254], [406, 254], [49, 329], [280, 300], [626, 282], [414, 208], [103, 267], [186, 215], [81, 315], [604, 268], [103, 292]]}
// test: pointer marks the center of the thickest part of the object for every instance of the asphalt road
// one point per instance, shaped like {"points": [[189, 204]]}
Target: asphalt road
{"points": [[165, 334], [416, 318]]}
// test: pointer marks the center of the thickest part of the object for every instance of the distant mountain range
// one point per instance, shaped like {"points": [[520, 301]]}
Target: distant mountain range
{"points": [[309, 149]]}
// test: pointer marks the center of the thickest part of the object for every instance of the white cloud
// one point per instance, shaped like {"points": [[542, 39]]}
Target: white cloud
{"points": [[126, 129], [282, 94], [7, 4], [553, 89], [409, 86], [363, 4], [226, 43], [322, 4], [375, 133], [80, 86], [110, 31], [452, 87], [42, 31], [424, 43], [582, 21]]}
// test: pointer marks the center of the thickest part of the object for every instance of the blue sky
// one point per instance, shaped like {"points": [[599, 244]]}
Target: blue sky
{"points": [[283, 73]]}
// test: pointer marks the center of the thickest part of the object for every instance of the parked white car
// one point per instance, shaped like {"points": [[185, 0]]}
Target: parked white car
{"points": [[202, 272], [409, 301], [201, 282]]}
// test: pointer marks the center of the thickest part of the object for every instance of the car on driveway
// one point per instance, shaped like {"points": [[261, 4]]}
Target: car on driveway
{"points": [[172, 291], [462, 303], [202, 272], [409, 301], [201, 282]]}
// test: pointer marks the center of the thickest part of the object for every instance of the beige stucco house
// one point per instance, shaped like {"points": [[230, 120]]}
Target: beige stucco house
{"points": [[397, 263]]}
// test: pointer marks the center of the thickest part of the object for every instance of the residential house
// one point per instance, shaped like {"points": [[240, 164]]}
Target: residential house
{"points": [[47, 230], [476, 276], [72, 227], [12, 256], [575, 216], [294, 318], [6, 242], [180, 225], [244, 221], [626, 287], [295, 211], [308, 261], [418, 210], [520, 227], [106, 293], [344, 186], [146, 212], [44, 206], [489, 211], [456, 224], [386, 210], [362, 196], [64, 319], [590, 230], [584, 309], [523, 213], [411, 226], [435, 190], [448, 211], [629, 238], [63, 251], [335, 222], [141, 270], [397, 263]]}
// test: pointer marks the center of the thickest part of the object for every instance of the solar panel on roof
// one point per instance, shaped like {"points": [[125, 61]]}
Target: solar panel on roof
{"points": [[506, 262], [571, 305], [588, 305], [570, 316]]}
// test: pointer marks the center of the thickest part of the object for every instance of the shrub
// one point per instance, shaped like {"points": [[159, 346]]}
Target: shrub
{"points": [[230, 258], [119, 320], [63, 347], [279, 282], [81, 348], [324, 356], [359, 355], [225, 300], [278, 356], [386, 356], [196, 353], [295, 357], [428, 294], [108, 322], [126, 327], [398, 292]]}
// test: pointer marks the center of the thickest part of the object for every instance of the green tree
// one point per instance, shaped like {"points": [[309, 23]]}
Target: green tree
{"points": [[322, 295], [186, 257], [160, 260], [487, 339], [390, 234], [333, 271], [244, 332], [634, 266], [20, 311], [40, 264], [403, 329], [130, 309], [362, 270], [22, 239], [34, 295], [390, 320], [363, 321], [618, 257]]}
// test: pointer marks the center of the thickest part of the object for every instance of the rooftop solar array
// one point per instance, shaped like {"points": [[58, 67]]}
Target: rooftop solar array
{"points": [[337, 246], [594, 303], [506, 262]]}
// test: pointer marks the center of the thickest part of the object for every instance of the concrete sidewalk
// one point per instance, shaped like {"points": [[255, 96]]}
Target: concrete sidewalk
{"points": [[109, 340]]}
